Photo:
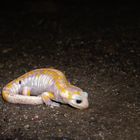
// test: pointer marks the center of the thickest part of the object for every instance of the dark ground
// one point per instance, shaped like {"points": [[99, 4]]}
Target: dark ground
{"points": [[98, 48]]}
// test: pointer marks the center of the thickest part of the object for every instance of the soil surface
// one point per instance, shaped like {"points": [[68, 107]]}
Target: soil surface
{"points": [[97, 46]]}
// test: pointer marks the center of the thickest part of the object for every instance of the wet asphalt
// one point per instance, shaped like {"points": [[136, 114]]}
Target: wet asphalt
{"points": [[97, 46]]}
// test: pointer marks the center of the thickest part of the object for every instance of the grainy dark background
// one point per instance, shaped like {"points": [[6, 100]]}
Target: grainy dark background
{"points": [[97, 46]]}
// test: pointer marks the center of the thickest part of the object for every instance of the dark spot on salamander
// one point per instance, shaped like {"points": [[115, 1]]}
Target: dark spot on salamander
{"points": [[19, 82]]}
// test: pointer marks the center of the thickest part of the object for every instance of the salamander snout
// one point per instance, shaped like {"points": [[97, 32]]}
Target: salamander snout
{"points": [[79, 101]]}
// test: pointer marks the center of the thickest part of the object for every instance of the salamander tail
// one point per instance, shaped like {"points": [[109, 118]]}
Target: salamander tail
{"points": [[21, 99]]}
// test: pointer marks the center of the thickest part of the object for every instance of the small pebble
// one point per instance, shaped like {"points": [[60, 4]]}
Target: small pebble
{"points": [[27, 126]]}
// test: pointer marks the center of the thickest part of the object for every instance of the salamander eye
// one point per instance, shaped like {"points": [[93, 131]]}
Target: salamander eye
{"points": [[78, 101]]}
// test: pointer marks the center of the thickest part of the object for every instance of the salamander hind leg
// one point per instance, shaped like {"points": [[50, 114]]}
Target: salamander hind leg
{"points": [[47, 98]]}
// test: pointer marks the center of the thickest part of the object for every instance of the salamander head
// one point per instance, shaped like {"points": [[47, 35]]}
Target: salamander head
{"points": [[75, 97], [80, 100]]}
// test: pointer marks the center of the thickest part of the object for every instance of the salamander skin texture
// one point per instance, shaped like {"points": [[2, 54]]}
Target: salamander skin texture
{"points": [[46, 85]]}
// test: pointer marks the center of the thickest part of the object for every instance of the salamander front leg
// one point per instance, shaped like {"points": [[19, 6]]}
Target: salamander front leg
{"points": [[47, 98]]}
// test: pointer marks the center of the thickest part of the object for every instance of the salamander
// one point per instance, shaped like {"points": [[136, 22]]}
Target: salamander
{"points": [[45, 85]]}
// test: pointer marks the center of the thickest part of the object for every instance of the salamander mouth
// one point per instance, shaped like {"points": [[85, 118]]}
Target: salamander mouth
{"points": [[80, 106]]}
